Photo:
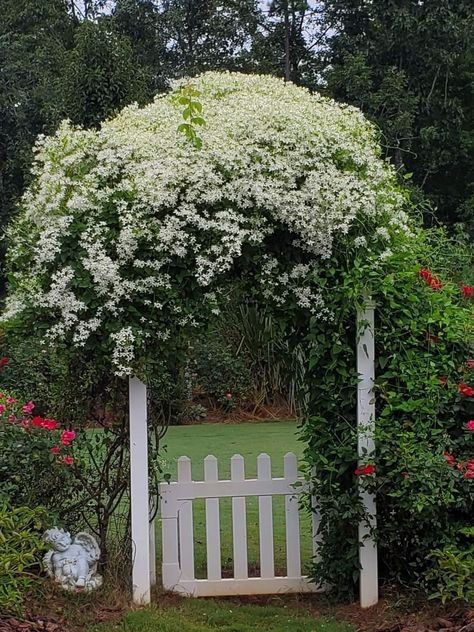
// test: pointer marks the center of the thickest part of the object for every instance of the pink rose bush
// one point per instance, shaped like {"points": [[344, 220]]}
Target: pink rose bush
{"points": [[46, 430], [35, 455]]}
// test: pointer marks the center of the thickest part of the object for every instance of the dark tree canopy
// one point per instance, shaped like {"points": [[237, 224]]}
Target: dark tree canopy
{"points": [[409, 66]]}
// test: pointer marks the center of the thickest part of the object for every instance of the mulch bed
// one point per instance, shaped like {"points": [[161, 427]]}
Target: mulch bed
{"points": [[458, 620], [387, 616], [216, 415], [41, 623]]}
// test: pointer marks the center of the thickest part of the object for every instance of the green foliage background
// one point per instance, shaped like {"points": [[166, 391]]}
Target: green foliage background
{"points": [[424, 339]]}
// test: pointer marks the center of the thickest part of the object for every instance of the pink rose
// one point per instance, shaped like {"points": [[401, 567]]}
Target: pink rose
{"points": [[50, 424], [67, 436], [28, 408]]}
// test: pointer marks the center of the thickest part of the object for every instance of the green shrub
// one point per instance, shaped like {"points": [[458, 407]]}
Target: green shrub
{"points": [[20, 552], [219, 373], [424, 448], [453, 574]]}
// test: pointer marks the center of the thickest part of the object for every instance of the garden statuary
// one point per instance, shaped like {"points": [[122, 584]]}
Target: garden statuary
{"points": [[72, 563]]}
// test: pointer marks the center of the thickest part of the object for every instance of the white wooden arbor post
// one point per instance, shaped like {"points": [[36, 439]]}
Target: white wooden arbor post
{"points": [[143, 565], [366, 447]]}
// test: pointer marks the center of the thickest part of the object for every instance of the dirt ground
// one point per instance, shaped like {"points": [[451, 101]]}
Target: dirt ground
{"points": [[56, 612]]}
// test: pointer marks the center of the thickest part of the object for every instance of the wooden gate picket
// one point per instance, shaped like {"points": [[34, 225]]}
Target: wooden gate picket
{"points": [[177, 529]]}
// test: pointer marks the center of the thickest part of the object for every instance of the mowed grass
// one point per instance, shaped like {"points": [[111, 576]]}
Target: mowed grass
{"points": [[223, 441], [204, 615]]}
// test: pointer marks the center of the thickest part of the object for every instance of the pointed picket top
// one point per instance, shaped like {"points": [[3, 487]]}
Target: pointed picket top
{"points": [[290, 465], [264, 467], [184, 469], [211, 472], [237, 467]]}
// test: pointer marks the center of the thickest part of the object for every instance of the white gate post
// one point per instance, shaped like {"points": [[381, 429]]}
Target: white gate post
{"points": [[139, 491], [365, 428]]}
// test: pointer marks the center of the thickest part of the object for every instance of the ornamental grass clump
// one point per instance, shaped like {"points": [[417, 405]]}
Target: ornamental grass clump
{"points": [[129, 233]]}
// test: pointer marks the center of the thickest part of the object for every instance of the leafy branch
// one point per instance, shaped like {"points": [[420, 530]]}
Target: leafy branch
{"points": [[192, 114]]}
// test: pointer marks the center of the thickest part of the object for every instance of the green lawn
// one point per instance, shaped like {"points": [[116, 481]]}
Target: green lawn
{"points": [[203, 615], [223, 441]]}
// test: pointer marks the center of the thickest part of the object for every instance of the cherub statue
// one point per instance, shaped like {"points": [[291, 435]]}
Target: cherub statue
{"points": [[72, 563]]}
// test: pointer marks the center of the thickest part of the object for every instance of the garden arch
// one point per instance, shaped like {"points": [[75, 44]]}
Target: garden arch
{"points": [[143, 569], [129, 233]]}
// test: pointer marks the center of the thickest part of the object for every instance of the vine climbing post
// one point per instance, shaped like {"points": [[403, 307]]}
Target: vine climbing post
{"points": [[139, 491], [366, 448]]}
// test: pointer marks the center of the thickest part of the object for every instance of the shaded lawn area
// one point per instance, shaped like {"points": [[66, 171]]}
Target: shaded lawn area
{"points": [[223, 441], [202, 615]]}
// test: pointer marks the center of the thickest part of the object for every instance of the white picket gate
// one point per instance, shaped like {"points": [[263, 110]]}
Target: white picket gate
{"points": [[177, 498]]}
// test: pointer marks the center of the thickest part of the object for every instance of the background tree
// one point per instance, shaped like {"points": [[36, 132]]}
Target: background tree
{"points": [[144, 25], [100, 76], [208, 34], [408, 66], [289, 41], [34, 37]]}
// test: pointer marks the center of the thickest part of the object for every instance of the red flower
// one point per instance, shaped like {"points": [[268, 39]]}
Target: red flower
{"points": [[2, 408], [11, 400], [469, 474], [449, 458], [467, 290], [367, 469], [67, 436], [37, 422], [4, 362], [470, 364], [68, 460], [55, 450], [50, 424], [466, 390], [470, 464], [426, 274], [470, 425], [435, 284], [24, 423]]}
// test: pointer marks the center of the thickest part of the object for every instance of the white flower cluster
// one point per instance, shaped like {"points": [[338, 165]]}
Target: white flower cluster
{"points": [[124, 350], [122, 222]]}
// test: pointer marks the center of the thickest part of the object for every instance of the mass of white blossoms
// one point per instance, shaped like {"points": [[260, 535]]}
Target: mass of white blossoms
{"points": [[123, 225]]}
